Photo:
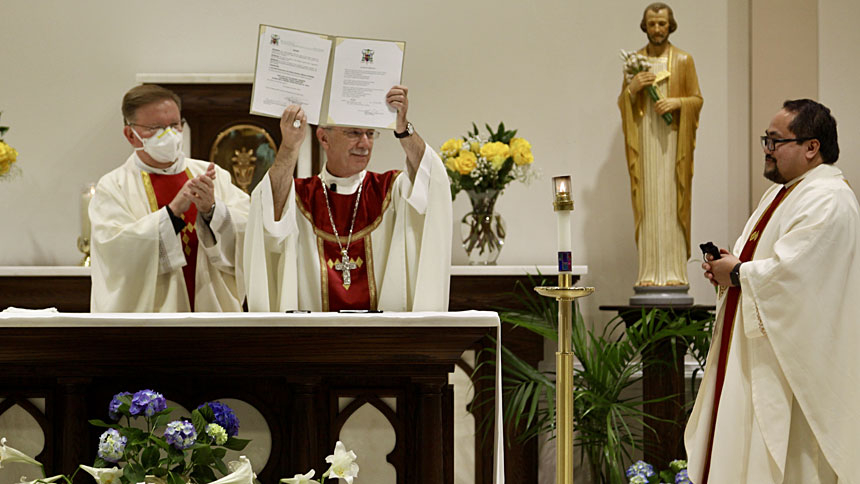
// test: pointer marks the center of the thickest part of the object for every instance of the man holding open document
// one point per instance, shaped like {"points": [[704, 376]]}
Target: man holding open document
{"points": [[349, 238]]}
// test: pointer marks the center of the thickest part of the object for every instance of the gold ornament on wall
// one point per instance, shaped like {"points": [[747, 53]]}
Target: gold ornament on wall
{"points": [[246, 151]]}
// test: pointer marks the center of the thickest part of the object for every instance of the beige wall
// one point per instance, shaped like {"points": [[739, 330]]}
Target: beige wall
{"points": [[838, 71], [784, 53], [549, 68]]}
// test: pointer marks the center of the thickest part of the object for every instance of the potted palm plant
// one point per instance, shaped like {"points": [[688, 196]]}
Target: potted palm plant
{"points": [[610, 424]]}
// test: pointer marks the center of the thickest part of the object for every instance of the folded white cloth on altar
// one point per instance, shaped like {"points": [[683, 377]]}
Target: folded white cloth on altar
{"points": [[13, 309]]}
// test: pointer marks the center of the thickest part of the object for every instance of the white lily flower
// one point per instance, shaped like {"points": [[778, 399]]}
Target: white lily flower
{"points": [[343, 464], [8, 454], [104, 475], [42, 480], [300, 479], [240, 473]]}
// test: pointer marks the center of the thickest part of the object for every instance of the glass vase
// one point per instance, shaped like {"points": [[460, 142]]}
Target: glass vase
{"points": [[483, 229]]}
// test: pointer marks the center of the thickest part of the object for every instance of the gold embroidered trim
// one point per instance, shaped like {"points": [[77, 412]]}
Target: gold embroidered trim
{"points": [[759, 321], [150, 192], [371, 282], [323, 274]]}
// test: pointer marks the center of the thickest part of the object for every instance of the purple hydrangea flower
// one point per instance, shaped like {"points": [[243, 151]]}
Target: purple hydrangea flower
{"points": [[180, 434], [682, 477], [225, 417], [113, 408], [147, 402], [640, 468], [111, 445]]}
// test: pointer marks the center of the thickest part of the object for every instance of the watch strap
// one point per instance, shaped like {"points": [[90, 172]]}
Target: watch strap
{"points": [[404, 134], [735, 275]]}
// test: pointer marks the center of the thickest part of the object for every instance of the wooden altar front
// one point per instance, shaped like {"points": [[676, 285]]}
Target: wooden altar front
{"points": [[293, 368]]}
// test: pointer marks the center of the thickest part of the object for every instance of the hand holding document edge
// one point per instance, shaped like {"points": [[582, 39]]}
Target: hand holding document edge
{"points": [[336, 80]]}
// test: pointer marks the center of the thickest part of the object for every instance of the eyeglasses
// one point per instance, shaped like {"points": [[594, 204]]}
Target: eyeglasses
{"points": [[154, 129], [356, 134], [769, 143]]}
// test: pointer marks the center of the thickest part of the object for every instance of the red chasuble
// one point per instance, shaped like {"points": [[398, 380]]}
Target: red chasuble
{"points": [[358, 291], [732, 299], [161, 189]]}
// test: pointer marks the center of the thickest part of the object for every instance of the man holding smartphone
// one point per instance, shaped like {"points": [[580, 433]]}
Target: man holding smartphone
{"points": [[778, 402]]}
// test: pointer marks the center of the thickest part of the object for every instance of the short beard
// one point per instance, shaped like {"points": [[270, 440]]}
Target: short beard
{"points": [[658, 44], [774, 175]]}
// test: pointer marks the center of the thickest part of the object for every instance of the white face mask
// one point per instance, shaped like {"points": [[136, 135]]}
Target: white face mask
{"points": [[164, 146]]}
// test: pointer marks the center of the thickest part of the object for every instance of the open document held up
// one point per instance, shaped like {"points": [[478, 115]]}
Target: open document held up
{"points": [[336, 80]]}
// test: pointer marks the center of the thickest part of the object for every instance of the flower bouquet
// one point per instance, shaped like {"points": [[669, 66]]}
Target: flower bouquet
{"points": [[8, 155], [643, 473], [634, 64], [184, 452], [483, 167]]}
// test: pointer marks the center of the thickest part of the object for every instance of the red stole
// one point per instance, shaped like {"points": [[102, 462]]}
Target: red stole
{"points": [[732, 299], [375, 199], [161, 189]]}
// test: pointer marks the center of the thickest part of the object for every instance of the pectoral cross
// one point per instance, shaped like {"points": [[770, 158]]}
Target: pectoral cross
{"points": [[344, 266]]}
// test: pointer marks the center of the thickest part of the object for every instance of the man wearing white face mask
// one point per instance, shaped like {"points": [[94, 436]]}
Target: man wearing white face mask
{"points": [[167, 230]]}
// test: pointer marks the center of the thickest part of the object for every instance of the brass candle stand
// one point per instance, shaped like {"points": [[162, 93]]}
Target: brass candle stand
{"points": [[84, 247], [565, 294]]}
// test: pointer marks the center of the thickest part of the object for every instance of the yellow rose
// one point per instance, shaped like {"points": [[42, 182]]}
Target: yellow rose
{"points": [[452, 146], [463, 164], [8, 155], [496, 153], [475, 147], [521, 150], [520, 143]]}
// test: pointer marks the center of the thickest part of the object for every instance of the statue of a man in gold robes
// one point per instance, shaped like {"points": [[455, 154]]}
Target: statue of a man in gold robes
{"points": [[660, 156]]}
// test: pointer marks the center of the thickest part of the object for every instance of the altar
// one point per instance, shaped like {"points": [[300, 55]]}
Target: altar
{"points": [[305, 373]]}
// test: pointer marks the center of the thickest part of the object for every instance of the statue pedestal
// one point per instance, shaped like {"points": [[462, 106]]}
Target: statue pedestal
{"points": [[661, 296]]}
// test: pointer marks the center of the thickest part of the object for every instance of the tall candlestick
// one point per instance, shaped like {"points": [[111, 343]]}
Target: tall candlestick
{"points": [[563, 204]]}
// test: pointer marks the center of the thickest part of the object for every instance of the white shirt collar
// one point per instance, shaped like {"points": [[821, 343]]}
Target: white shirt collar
{"points": [[345, 186], [177, 167]]}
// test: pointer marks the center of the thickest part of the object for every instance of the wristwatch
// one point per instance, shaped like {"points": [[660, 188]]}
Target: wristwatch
{"points": [[407, 133], [735, 275]]}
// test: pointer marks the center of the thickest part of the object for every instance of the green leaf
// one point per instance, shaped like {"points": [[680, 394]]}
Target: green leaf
{"points": [[206, 412], [234, 443], [219, 452], [100, 463], [134, 472], [135, 436], [173, 478], [159, 441], [219, 464], [202, 456], [100, 423], [175, 455], [203, 474], [199, 421], [160, 420], [149, 457]]}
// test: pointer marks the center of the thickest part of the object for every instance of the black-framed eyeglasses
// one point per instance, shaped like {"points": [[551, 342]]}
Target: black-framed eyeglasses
{"points": [[769, 143], [154, 129]]}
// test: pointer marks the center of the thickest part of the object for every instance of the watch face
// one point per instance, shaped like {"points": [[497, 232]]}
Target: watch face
{"points": [[409, 128]]}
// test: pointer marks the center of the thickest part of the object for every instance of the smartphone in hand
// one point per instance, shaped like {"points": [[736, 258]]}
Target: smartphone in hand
{"points": [[710, 248]]}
